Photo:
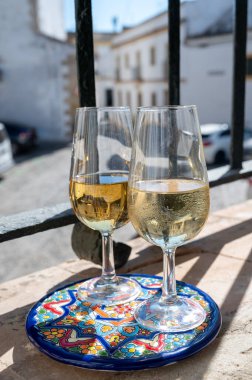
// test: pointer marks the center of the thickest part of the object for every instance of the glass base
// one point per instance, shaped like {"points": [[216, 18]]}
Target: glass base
{"points": [[181, 315], [119, 290]]}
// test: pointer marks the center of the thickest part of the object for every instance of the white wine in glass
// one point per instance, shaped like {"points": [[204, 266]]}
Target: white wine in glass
{"points": [[98, 192], [168, 203]]}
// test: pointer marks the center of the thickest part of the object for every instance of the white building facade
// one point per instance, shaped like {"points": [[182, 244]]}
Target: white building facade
{"points": [[141, 64], [33, 66], [139, 57], [207, 60], [104, 73]]}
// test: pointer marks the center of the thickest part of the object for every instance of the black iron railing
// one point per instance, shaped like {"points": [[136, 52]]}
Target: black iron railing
{"points": [[239, 74], [28, 223], [85, 52], [174, 51]]}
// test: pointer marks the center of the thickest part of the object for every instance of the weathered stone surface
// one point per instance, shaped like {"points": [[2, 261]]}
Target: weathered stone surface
{"points": [[226, 277], [31, 222]]}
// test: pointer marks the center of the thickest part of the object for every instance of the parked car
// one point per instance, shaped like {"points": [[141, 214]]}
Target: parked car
{"points": [[217, 139], [22, 137], [6, 158]]}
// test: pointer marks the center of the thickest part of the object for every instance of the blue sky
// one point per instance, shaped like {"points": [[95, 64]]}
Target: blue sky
{"points": [[128, 12]]}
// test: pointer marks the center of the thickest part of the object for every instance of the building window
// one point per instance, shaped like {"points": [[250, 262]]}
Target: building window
{"points": [[166, 101], [152, 56], [137, 69], [128, 99], [126, 60], [119, 98], [166, 64], [109, 97], [96, 63], [153, 99], [249, 67], [138, 58], [139, 99], [216, 72], [118, 72]]}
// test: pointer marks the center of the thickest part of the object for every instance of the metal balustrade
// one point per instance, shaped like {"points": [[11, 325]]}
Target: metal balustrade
{"points": [[28, 223]]}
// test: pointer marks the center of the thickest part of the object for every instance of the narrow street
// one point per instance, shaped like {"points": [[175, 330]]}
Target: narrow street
{"points": [[40, 179]]}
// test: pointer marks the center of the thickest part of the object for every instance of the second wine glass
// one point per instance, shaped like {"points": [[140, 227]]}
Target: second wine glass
{"points": [[168, 203], [98, 192]]}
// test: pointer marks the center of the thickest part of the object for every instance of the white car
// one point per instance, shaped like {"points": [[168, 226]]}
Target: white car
{"points": [[6, 158], [216, 141]]}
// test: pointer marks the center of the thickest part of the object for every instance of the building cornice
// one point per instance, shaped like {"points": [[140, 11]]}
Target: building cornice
{"points": [[205, 40], [141, 37]]}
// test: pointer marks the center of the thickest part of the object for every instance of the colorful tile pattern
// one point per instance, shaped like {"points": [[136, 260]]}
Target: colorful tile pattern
{"points": [[108, 337]]}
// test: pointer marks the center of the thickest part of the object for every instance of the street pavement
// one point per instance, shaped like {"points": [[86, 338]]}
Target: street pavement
{"points": [[40, 179]]}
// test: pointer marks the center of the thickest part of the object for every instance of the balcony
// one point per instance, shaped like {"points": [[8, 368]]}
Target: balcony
{"points": [[219, 261], [118, 75], [165, 70], [136, 74]]}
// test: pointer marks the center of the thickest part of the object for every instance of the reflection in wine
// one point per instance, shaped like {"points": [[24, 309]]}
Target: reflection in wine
{"points": [[181, 206], [100, 200]]}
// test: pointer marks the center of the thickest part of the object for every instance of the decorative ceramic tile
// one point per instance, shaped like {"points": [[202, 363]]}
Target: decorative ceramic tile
{"points": [[108, 337]]}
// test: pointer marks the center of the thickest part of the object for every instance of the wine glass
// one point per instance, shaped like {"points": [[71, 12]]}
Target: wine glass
{"points": [[98, 192], [168, 203]]}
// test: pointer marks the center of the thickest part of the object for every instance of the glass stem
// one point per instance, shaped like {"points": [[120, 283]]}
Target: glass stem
{"points": [[169, 293], [108, 265]]}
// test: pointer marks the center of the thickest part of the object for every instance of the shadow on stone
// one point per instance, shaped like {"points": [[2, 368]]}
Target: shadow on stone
{"points": [[87, 244]]}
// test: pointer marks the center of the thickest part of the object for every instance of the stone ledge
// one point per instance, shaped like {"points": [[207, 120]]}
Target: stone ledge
{"points": [[28, 223], [213, 262]]}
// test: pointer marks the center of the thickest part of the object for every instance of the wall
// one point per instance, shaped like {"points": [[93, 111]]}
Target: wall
{"points": [[104, 66], [50, 18], [206, 63], [34, 76], [207, 72], [201, 14], [152, 78]]}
